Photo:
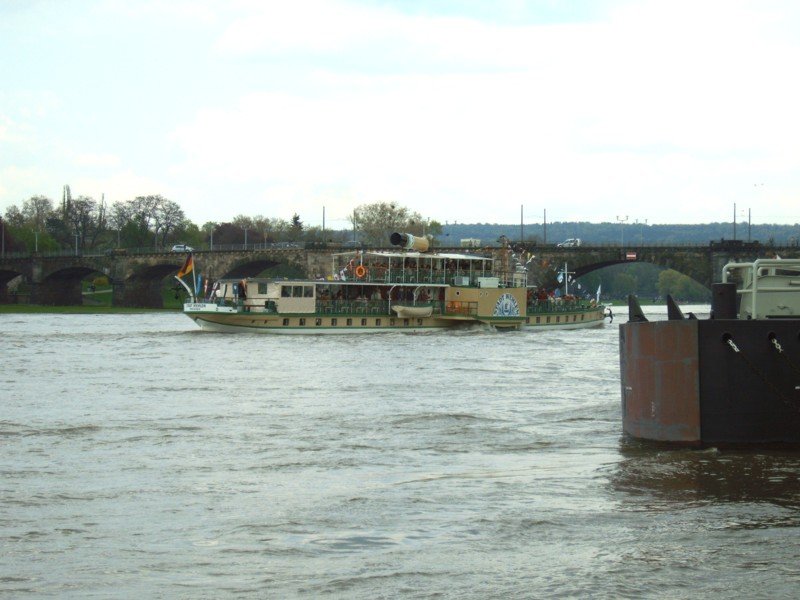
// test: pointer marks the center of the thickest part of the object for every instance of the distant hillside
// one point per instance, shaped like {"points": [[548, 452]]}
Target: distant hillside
{"points": [[613, 233]]}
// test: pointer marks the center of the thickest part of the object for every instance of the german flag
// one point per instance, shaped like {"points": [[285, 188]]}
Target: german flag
{"points": [[187, 272], [188, 267]]}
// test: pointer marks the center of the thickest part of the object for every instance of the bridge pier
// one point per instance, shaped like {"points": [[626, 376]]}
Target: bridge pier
{"points": [[59, 292], [138, 293], [5, 278]]}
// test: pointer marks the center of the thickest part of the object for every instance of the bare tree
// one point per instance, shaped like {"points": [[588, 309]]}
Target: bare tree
{"points": [[377, 221], [169, 216]]}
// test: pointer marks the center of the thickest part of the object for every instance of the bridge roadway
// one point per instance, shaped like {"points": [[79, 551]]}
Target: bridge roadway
{"points": [[138, 279]]}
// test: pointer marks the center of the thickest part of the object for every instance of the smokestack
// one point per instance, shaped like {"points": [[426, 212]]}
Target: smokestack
{"points": [[409, 242]]}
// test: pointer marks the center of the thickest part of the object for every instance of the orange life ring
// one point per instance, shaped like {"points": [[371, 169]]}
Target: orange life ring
{"points": [[361, 271]]}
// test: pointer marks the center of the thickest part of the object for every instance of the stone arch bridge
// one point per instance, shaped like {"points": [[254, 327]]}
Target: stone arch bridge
{"points": [[138, 279]]}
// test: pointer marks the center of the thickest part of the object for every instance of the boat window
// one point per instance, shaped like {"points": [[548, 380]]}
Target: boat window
{"points": [[286, 291], [419, 321], [391, 322], [302, 322], [363, 322], [285, 322], [334, 322], [318, 322], [308, 291], [377, 322], [297, 291], [262, 288], [349, 322]]}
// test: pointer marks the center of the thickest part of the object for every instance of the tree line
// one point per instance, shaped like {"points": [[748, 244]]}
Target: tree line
{"points": [[85, 224]]}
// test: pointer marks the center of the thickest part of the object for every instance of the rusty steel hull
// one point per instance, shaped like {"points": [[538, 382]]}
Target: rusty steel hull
{"points": [[683, 382]]}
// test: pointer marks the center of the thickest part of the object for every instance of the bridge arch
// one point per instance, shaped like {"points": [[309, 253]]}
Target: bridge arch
{"points": [[143, 286]]}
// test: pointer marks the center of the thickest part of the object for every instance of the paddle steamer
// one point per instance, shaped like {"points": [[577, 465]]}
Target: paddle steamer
{"points": [[378, 291]]}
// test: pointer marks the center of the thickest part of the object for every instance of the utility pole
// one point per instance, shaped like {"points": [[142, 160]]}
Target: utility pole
{"points": [[545, 226]]}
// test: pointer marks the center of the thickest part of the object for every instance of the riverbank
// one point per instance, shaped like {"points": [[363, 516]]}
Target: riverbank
{"points": [[70, 310]]}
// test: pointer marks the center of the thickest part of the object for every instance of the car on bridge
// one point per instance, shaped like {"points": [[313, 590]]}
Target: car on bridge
{"points": [[182, 248], [570, 243]]}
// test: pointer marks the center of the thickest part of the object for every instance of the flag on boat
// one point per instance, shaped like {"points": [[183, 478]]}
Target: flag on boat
{"points": [[187, 271]]}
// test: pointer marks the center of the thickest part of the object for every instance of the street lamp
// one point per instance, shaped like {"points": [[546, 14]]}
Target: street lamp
{"points": [[641, 231], [622, 222]]}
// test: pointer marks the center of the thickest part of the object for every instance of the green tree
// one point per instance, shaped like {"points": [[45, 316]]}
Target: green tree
{"points": [[296, 228], [36, 210], [625, 284]]}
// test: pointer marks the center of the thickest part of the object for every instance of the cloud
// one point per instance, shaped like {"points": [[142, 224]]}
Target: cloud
{"points": [[648, 106]]}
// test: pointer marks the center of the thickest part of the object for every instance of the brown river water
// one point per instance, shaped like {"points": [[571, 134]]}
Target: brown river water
{"points": [[141, 457]]}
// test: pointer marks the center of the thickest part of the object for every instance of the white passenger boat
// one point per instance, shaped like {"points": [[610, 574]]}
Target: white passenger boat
{"points": [[404, 290]]}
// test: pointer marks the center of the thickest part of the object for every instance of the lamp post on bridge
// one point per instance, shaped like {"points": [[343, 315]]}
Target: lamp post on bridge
{"points": [[622, 222], [641, 231]]}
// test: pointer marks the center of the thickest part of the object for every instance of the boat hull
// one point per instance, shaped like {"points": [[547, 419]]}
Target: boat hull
{"points": [[683, 382], [223, 319], [210, 317], [565, 320]]}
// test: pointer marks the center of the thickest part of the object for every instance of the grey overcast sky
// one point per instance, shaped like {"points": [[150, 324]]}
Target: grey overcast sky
{"points": [[671, 111]]}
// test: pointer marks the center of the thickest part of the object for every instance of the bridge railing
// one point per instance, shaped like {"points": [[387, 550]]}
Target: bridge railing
{"points": [[585, 248]]}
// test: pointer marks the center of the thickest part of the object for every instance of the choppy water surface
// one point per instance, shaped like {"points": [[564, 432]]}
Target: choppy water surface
{"points": [[141, 457]]}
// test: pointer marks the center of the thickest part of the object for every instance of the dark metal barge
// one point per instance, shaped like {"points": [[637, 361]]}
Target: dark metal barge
{"points": [[732, 379]]}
